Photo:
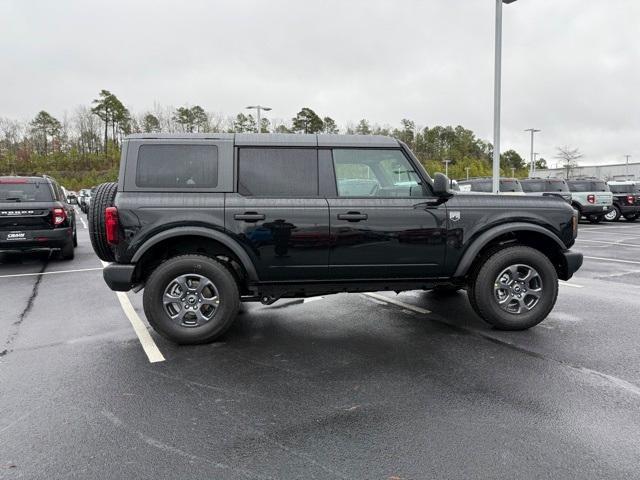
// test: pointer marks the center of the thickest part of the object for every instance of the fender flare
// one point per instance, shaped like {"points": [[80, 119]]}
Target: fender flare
{"points": [[216, 235], [479, 243]]}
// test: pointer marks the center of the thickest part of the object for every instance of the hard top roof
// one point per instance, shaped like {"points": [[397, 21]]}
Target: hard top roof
{"points": [[23, 179], [279, 139]]}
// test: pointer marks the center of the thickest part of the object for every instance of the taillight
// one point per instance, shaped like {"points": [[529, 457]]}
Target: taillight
{"points": [[591, 198], [111, 225], [59, 216], [630, 199]]}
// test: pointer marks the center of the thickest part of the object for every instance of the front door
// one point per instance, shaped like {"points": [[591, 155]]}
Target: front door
{"points": [[277, 214], [382, 225]]}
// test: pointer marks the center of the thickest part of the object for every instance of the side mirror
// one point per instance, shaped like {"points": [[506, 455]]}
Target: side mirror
{"points": [[442, 186]]}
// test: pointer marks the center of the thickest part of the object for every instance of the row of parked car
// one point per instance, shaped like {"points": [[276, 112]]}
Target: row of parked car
{"points": [[595, 199]]}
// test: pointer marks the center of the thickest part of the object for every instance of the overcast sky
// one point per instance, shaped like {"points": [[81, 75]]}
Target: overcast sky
{"points": [[570, 67]]}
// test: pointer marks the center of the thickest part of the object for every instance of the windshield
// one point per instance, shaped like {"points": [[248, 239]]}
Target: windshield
{"points": [[25, 192]]}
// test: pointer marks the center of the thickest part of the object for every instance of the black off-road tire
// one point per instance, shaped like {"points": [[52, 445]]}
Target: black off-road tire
{"points": [[68, 251], [481, 288], [211, 269], [104, 197], [613, 218]]}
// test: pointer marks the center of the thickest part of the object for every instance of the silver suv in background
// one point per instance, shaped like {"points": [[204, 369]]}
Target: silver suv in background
{"points": [[545, 187], [591, 197]]}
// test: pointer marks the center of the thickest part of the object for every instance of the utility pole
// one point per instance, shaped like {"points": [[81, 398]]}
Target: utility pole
{"points": [[446, 167], [532, 167], [497, 89], [467, 169], [258, 109], [626, 168]]}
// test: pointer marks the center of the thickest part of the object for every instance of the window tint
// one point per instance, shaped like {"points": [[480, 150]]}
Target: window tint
{"points": [[625, 188], [510, 186], [535, 186], [580, 186], [25, 192], [278, 172], [600, 187], [375, 173], [177, 166], [557, 186]]}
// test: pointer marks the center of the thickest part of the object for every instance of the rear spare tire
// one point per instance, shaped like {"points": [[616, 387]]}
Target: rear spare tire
{"points": [[514, 289], [104, 197]]}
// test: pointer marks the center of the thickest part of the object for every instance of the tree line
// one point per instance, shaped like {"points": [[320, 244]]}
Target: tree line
{"points": [[83, 148]]}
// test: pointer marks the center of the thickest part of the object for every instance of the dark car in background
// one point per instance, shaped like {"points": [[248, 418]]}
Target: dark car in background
{"points": [[545, 187], [626, 201], [508, 186], [34, 215]]}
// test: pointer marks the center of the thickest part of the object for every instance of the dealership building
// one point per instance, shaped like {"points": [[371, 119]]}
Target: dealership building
{"points": [[614, 171]]}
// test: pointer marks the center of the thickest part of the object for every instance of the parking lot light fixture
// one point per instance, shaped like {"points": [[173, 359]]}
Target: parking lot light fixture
{"points": [[532, 167], [258, 109], [496, 95]]}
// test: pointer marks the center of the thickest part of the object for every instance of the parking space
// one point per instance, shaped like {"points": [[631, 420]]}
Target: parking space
{"points": [[344, 386]]}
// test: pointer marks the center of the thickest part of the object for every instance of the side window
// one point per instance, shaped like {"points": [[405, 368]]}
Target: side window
{"points": [[375, 173], [177, 166], [278, 172]]}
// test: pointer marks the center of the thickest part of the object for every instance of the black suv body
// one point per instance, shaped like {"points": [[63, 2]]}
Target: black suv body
{"points": [[35, 214], [260, 217], [626, 201], [547, 187]]}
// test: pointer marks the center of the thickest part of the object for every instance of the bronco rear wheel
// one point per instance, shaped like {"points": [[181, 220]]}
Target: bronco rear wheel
{"points": [[613, 215], [104, 197], [191, 299], [514, 289]]}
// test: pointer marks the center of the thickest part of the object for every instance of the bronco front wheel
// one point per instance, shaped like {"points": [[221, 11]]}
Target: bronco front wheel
{"points": [[515, 288], [191, 299]]}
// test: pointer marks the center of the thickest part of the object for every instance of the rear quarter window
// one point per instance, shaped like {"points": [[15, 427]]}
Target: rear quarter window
{"points": [[177, 166]]}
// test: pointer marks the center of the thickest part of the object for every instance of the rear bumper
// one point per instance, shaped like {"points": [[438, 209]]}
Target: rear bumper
{"points": [[629, 209], [573, 262], [35, 239], [119, 277], [595, 209]]}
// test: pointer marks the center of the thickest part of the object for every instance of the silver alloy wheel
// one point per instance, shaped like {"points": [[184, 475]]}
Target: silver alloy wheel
{"points": [[518, 289], [611, 216], [191, 300]]}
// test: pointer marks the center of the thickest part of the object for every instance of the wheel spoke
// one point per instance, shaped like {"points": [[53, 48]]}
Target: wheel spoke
{"points": [[518, 288], [184, 300]]}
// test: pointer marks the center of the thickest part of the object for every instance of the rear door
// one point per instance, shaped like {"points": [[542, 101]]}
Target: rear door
{"points": [[277, 213], [381, 223]]}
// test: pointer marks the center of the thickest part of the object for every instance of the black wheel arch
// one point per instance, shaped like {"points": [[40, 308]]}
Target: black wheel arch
{"points": [[202, 237], [521, 233]]}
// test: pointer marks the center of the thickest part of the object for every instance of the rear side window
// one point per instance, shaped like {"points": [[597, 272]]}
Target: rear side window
{"points": [[600, 187], [533, 186], [580, 186], [278, 172], [557, 186], [510, 186], [625, 188], [177, 166], [25, 192]]}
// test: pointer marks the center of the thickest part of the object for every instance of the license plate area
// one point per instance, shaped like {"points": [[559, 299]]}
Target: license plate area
{"points": [[15, 236]]}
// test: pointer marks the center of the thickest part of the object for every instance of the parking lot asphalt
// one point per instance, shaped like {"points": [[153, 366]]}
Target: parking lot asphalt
{"points": [[346, 386]]}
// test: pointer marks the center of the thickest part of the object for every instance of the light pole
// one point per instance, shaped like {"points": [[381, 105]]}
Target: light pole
{"points": [[258, 109], [513, 172], [467, 169], [532, 167], [446, 167], [535, 159], [496, 95], [626, 168]]}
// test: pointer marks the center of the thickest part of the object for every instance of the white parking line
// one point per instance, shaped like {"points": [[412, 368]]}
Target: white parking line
{"points": [[588, 228], [565, 284], [615, 260], [609, 243], [50, 273], [84, 224], [148, 345], [407, 306]]}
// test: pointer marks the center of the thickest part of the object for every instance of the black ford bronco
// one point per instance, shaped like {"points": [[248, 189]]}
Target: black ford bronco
{"points": [[205, 221], [35, 214]]}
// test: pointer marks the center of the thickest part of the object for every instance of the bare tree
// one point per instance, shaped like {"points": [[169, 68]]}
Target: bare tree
{"points": [[570, 157]]}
